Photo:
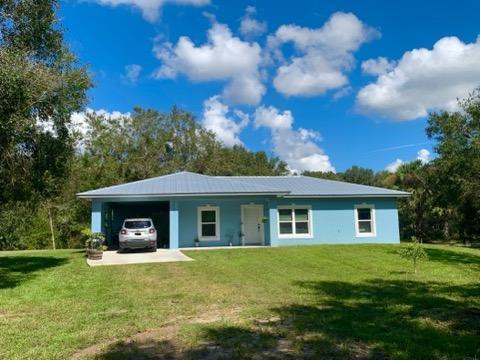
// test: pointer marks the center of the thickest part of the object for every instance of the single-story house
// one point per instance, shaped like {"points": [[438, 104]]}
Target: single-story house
{"points": [[249, 210]]}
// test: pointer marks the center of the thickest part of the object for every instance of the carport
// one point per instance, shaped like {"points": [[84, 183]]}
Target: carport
{"points": [[108, 216]]}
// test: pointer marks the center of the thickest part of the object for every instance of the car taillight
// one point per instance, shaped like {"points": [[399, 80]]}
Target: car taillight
{"points": [[151, 231], [123, 232]]}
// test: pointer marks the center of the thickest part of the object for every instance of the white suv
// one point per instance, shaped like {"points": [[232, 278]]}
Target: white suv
{"points": [[138, 234]]}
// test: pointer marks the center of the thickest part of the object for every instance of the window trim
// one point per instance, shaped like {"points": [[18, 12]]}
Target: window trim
{"points": [[373, 220], [294, 234], [217, 223]]}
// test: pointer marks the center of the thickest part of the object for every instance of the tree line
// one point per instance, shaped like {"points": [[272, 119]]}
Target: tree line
{"points": [[45, 160]]}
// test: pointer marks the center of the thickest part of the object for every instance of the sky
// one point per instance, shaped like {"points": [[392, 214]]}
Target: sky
{"points": [[323, 85]]}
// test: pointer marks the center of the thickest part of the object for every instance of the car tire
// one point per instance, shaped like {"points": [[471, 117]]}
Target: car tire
{"points": [[153, 249]]}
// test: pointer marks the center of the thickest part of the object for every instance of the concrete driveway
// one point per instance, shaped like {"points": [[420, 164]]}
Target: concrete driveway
{"points": [[161, 255]]}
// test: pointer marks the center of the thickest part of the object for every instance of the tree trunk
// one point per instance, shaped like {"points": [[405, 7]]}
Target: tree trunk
{"points": [[50, 218]]}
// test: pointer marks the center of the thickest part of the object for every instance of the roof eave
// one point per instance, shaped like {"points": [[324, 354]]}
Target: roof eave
{"points": [[327, 196], [105, 196]]}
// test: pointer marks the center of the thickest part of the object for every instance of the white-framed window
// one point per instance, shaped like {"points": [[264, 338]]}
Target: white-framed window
{"points": [[294, 221], [365, 220], [208, 223]]}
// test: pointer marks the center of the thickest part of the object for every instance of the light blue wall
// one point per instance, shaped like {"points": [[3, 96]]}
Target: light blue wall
{"points": [[96, 216], [230, 220], [334, 222], [174, 224]]}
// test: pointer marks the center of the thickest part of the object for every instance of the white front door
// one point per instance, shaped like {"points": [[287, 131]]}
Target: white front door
{"points": [[252, 216]]}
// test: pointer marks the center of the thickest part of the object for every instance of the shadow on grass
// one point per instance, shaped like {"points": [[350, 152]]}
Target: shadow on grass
{"points": [[375, 319], [16, 269], [453, 257]]}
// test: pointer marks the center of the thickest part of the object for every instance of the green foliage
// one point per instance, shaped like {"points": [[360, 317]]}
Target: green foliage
{"points": [[414, 252], [95, 241]]}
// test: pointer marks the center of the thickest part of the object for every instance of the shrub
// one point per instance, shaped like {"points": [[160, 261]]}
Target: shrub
{"points": [[414, 252]]}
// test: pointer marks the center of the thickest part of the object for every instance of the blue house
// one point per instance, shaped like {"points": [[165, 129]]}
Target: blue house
{"points": [[249, 210]]}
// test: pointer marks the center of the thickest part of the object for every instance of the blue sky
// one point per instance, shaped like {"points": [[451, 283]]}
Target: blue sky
{"points": [[323, 84]]}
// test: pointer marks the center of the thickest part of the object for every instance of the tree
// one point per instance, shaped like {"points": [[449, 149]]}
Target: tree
{"points": [[458, 165], [359, 175], [414, 252], [41, 85]]}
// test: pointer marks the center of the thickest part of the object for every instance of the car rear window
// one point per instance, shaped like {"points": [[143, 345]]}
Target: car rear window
{"points": [[137, 224]]}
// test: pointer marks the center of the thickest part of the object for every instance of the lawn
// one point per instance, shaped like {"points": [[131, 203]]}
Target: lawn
{"points": [[358, 301]]}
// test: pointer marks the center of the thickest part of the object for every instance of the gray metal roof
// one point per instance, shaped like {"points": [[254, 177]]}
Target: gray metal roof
{"points": [[191, 184], [306, 186], [183, 183]]}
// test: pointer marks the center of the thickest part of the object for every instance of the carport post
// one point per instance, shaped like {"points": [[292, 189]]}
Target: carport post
{"points": [[173, 219], [272, 221], [96, 225]]}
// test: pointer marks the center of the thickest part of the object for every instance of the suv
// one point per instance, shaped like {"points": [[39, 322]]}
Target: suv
{"points": [[138, 234]]}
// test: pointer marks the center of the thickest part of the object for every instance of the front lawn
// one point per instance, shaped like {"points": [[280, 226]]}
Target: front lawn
{"points": [[321, 301]]}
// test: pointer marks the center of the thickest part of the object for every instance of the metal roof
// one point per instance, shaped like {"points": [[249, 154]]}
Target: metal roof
{"points": [[306, 186], [191, 184], [183, 183]]}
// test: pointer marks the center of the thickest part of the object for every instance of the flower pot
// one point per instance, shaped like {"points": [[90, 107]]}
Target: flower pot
{"points": [[94, 254]]}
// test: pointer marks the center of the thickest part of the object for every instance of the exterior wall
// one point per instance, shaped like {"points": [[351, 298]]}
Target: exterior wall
{"points": [[230, 220], [333, 221]]}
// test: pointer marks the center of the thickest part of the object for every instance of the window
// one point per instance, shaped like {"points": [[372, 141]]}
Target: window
{"points": [[294, 221], [365, 220], [208, 223], [137, 224]]}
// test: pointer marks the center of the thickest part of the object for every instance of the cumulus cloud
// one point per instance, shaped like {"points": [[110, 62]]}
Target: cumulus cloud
{"points": [[424, 80], [394, 165], [150, 8], [249, 26], [218, 119], [378, 66], [132, 72], [423, 155], [223, 57], [322, 56], [296, 147]]}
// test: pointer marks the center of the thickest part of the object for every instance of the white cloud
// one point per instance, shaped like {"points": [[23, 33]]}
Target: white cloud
{"points": [[151, 8], [393, 166], [296, 147], [249, 26], [424, 80], [217, 119], [378, 66], [271, 118], [223, 57], [322, 56], [132, 72], [423, 155]]}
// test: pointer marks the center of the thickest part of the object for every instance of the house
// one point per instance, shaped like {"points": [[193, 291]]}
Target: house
{"points": [[249, 210]]}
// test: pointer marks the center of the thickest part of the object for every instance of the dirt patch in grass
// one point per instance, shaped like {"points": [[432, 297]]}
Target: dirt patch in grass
{"points": [[156, 343]]}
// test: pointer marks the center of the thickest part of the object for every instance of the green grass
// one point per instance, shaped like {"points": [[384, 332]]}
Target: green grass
{"points": [[357, 301]]}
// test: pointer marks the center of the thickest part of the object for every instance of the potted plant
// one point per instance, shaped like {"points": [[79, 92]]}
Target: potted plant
{"points": [[95, 246], [196, 242]]}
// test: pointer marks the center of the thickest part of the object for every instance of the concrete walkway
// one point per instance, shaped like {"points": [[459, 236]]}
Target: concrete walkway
{"points": [[161, 255]]}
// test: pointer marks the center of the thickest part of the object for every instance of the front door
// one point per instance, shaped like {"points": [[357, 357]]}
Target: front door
{"points": [[252, 216]]}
